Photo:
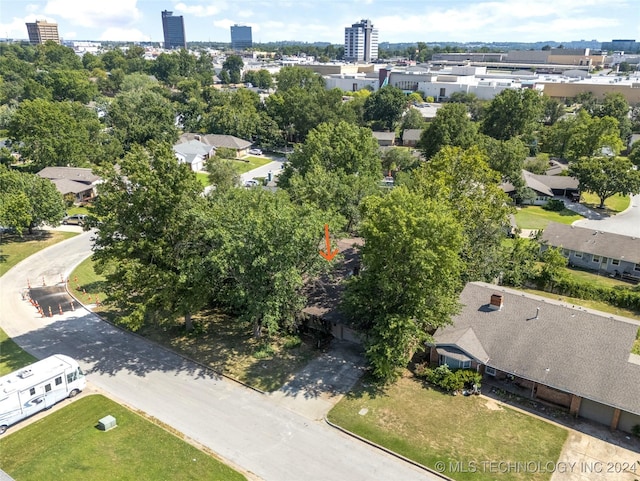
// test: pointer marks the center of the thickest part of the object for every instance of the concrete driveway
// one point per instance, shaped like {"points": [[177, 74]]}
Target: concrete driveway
{"points": [[626, 223], [246, 428]]}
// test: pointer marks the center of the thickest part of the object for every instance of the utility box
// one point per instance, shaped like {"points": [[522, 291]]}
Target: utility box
{"points": [[106, 423]]}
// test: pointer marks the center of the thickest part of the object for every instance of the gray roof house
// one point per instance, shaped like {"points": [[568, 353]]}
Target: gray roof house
{"points": [[571, 356], [614, 254], [410, 137], [545, 186], [384, 138], [193, 152], [215, 140], [79, 182]]}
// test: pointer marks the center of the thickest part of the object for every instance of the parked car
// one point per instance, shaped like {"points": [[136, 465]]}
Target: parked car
{"points": [[251, 183], [76, 219], [255, 151]]}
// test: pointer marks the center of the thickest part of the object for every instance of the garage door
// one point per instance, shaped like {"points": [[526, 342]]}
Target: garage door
{"points": [[596, 411]]}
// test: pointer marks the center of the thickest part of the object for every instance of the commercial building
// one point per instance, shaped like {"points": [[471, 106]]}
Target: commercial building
{"points": [[173, 29], [241, 37], [621, 45], [361, 42], [41, 31]]}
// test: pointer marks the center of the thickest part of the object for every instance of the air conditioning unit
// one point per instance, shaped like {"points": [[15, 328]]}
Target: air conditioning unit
{"points": [[106, 423]]}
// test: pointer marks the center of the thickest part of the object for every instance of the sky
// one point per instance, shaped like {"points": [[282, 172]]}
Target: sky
{"points": [[325, 20]]}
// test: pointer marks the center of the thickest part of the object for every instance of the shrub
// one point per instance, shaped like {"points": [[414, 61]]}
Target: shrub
{"points": [[554, 205]]}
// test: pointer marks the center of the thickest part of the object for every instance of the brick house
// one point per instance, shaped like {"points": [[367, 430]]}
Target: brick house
{"points": [[573, 357], [76, 181]]}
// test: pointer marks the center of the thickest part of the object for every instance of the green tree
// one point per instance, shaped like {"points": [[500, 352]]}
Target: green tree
{"points": [[451, 126], [463, 180], [72, 85], [615, 105], [410, 280], [385, 107], [290, 77], [412, 119], [28, 201], [233, 64], [553, 110], [512, 113], [268, 250], [606, 176], [552, 270], [506, 157], [222, 173], [474, 105], [634, 155], [335, 168], [521, 255], [145, 243], [55, 133], [395, 159], [139, 116]]}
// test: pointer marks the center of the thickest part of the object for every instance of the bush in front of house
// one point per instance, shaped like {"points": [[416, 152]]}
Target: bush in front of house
{"points": [[449, 380], [554, 205]]}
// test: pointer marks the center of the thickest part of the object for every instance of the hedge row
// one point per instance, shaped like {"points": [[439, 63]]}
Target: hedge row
{"points": [[623, 297]]}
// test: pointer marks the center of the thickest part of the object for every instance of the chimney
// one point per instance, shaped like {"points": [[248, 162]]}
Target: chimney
{"points": [[496, 302]]}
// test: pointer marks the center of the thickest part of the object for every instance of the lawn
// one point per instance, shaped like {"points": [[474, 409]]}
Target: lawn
{"points": [[428, 426], [535, 217], [249, 163], [67, 445], [14, 248], [203, 178], [588, 303], [219, 341], [613, 205], [12, 357]]}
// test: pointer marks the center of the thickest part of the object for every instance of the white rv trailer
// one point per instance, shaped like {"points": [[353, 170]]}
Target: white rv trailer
{"points": [[38, 386]]}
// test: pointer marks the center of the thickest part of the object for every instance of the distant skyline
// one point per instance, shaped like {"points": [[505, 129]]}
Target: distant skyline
{"points": [[324, 21]]}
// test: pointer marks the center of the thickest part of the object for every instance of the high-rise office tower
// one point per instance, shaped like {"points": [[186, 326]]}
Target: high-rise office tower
{"points": [[41, 31], [241, 37], [173, 28], [361, 42]]}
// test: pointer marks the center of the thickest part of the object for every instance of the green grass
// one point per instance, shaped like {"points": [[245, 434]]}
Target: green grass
{"points": [[535, 217], [218, 340], [594, 279], [588, 303], [249, 163], [12, 357], [14, 249], [428, 426], [67, 445], [203, 178], [636, 345], [613, 205]]}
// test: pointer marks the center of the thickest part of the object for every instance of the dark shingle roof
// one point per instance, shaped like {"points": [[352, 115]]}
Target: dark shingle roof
{"points": [[589, 241], [572, 349]]}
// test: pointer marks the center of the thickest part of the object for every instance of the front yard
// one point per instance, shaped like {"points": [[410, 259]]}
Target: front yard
{"points": [[535, 217], [249, 163], [451, 434], [219, 341], [14, 248]]}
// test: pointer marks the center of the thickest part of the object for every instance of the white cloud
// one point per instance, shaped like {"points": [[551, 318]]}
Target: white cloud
{"points": [[124, 35], [17, 28], [245, 13], [95, 13], [201, 10]]}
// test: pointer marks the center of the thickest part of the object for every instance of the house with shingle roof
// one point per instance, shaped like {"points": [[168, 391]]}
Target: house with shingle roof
{"points": [[384, 139], [545, 187], [216, 140], [552, 351], [411, 137], [193, 152], [76, 181], [604, 252]]}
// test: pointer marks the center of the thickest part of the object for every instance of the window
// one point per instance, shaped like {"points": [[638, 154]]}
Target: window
{"points": [[47, 387], [71, 377], [32, 391], [615, 262], [58, 381], [578, 255], [466, 364], [596, 259], [491, 371]]}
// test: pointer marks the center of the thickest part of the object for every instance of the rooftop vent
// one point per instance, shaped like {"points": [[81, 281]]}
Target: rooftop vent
{"points": [[25, 373], [496, 302]]}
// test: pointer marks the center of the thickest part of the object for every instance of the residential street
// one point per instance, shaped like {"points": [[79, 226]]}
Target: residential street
{"points": [[625, 223], [249, 429]]}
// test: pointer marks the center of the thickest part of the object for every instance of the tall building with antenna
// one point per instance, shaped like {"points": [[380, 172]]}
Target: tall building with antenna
{"points": [[361, 42], [173, 29]]}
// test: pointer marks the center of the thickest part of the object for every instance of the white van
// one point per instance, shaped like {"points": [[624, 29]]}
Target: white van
{"points": [[38, 386]]}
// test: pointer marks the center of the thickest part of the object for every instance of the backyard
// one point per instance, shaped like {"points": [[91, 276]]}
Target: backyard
{"points": [[66, 444], [448, 433], [535, 217]]}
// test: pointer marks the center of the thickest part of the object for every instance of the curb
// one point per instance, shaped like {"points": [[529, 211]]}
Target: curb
{"points": [[388, 451]]}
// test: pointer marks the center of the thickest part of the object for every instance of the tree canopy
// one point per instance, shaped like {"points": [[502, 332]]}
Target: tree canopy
{"points": [[512, 113], [606, 176]]}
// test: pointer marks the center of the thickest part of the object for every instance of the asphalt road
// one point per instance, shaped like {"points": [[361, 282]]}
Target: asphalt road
{"points": [[244, 427], [626, 223]]}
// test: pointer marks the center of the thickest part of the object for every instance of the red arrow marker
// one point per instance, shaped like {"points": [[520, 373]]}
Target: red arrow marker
{"points": [[329, 255]]}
